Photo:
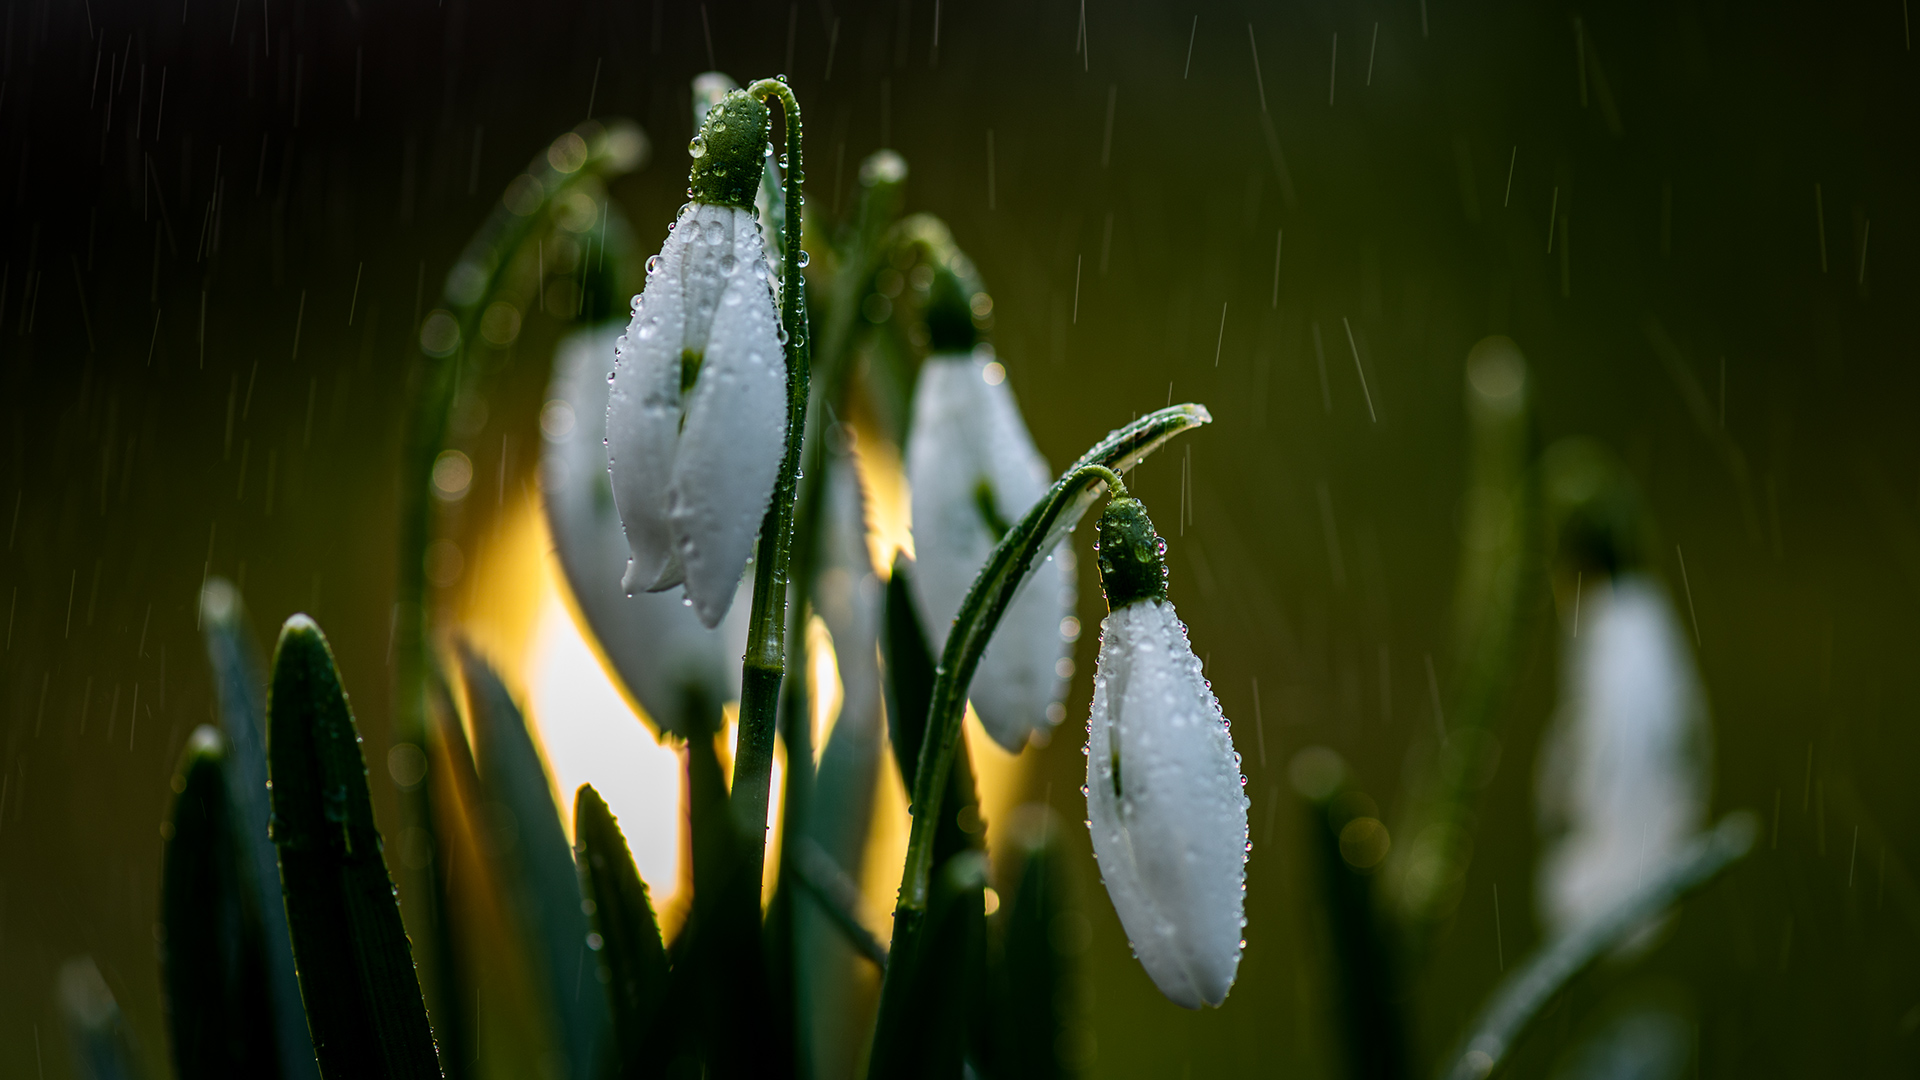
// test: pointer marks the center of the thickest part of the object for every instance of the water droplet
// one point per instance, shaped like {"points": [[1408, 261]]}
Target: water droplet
{"points": [[804, 257], [697, 148], [653, 267]]}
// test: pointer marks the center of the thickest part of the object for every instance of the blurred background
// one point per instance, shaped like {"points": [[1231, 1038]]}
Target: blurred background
{"points": [[225, 222]]}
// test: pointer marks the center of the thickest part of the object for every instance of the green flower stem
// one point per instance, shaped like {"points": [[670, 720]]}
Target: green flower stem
{"points": [[765, 661], [1525, 994], [973, 627], [1044, 526]]}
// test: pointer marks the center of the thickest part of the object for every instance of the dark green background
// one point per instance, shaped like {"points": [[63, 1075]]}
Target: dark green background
{"points": [[1800, 524]]}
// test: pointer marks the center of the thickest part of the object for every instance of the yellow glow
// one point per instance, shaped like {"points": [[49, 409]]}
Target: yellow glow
{"points": [[889, 506], [591, 736], [824, 685], [518, 613]]}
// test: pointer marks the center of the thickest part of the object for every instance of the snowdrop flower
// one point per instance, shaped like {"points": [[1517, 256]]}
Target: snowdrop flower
{"points": [[1165, 798], [974, 471], [696, 424], [1625, 769], [654, 643]]}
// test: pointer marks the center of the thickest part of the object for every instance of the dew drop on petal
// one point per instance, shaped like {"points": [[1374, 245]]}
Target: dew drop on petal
{"points": [[653, 267]]}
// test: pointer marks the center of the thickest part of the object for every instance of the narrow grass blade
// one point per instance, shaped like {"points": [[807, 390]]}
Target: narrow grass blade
{"points": [[219, 1011], [1526, 994], [240, 682], [630, 953], [540, 867], [356, 968]]}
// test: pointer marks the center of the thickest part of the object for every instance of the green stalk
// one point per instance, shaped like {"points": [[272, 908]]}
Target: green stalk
{"points": [[765, 662], [1044, 526], [1527, 993]]}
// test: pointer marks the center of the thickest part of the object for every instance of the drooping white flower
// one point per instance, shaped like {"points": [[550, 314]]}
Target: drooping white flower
{"points": [[1166, 804], [974, 472], [1626, 768], [655, 643], [696, 424]]}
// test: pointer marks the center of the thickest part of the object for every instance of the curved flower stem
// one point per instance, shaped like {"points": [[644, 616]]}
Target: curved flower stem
{"points": [[1525, 994], [765, 660], [1050, 519]]}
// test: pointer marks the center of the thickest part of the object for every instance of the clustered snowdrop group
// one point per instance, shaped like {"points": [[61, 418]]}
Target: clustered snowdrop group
{"points": [[694, 437]]}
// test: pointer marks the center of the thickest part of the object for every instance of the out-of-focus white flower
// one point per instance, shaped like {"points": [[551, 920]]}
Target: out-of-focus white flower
{"points": [[696, 424], [655, 643], [1626, 769], [974, 472], [1165, 799]]}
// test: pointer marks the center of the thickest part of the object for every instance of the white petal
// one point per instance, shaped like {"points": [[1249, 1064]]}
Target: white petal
{"points": [[1627, 764], [736, 426], [1170, 825], [967, 433], [643, 413], [655, 643]]}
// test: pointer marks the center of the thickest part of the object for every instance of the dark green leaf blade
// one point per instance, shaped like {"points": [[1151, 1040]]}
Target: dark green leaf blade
{"points": [[240, 680], [218, 1009], [542, 870], [721, 949], [631, 952], [909, 660], [1031, 973], [363, 1002], [937, 974]]}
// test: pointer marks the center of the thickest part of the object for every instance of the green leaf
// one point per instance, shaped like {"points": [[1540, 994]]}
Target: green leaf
{"points": [[1372, 1027], [631, 953], [240, 680], [720, 949], [942, 981], [909, 660], [540, 872], [1031, 975], [938, 974], [219, 1011], [356, 969]]}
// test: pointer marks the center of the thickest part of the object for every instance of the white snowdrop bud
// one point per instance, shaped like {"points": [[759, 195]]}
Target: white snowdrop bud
{"points": [[696, 426], [1627, 764], [1165, 799], [655, 643], [974, 472]]}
